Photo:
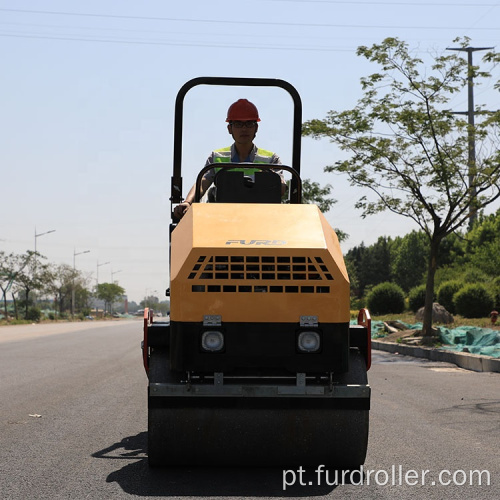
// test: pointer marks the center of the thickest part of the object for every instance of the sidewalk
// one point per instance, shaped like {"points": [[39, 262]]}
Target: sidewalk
{"points": [[464, 360]]}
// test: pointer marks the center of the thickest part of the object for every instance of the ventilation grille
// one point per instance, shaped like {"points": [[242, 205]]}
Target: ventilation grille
{"points": [[274, 271]]}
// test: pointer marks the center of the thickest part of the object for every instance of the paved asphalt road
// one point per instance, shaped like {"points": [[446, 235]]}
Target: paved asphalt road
{"points": [[88, 385]]}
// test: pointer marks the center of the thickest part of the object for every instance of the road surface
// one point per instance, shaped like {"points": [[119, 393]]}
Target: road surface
{"points": [[73, 423]]}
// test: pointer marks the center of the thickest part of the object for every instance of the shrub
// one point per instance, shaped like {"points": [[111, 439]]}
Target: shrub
{"points": [[34, 314], [416, 298], [473, 301], [386, 298], [474, 275], [357, 304], [446, 292]]}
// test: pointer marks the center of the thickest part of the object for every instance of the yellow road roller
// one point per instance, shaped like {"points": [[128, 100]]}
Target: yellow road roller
{"points": [[258, 364]]}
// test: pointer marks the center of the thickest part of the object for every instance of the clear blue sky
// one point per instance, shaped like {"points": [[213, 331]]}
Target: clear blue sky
{"points": [[87, 91]]}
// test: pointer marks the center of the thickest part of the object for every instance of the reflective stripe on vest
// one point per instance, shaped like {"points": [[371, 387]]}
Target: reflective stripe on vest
{"points": [[224, 156]]}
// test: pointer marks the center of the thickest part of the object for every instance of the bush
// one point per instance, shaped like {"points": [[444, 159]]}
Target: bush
{"points": [[357, 304], [416, 298], [473, 301], [474, 275], [386, 298], [34, 314], [446, 292]]}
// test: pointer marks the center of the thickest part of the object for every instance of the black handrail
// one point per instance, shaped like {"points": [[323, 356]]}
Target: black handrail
{"points": [[176, 187]]}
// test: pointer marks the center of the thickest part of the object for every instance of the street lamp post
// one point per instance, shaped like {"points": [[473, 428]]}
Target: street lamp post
{"points": [[113, 273], [73, 286], [37, 235]]}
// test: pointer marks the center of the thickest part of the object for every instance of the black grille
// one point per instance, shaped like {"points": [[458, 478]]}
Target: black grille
{"points": [[275, 271]]}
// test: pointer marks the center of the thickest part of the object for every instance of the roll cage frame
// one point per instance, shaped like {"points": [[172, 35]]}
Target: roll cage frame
{"points": [[176, 182]]}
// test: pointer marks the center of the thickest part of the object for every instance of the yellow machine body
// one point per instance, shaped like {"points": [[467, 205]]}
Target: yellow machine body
{"points": [[257, 263]]}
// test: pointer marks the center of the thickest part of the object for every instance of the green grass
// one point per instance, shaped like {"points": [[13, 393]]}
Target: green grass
{"points": [[409, 317], [3, 322]]}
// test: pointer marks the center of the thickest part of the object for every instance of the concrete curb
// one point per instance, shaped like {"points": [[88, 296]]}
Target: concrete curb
{"points": [[464, 360]]}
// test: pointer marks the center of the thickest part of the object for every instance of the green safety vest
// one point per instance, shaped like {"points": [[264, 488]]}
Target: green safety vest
{"points": [[224, 156]]}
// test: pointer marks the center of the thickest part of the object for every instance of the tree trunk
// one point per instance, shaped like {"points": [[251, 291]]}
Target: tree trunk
{"points": [[15, 306], [5, 302], [427, 331], [27, 303]]}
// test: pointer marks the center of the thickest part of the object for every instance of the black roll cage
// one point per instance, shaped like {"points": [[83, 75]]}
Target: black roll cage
{"points": [[176, 185]]}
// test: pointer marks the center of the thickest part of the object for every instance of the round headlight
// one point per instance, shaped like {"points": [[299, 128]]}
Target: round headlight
{"points": [[308, 341], [212, 341]]}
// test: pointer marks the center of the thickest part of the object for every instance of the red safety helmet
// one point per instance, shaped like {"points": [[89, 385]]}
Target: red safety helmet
{"points": [[242, 110]]}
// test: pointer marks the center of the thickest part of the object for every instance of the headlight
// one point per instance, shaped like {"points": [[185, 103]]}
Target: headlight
{"points": [[308, 341], [212, 341]]}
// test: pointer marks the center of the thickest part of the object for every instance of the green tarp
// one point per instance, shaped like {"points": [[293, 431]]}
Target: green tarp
{"points": [[484, 341]]}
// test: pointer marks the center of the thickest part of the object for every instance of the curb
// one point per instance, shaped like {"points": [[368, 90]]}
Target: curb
{"points": [[464, 360]]}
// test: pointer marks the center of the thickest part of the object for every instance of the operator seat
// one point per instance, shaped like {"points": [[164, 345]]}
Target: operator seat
{"points": [[235, 187]]}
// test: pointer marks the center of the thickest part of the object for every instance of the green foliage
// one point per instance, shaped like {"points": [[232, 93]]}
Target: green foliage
{"points": [[471, 274], [33, 314], [386, 298], [109, 292], [409, 259], [416, 298], [445, 294], [495, 289], [483, 244], [372, 265], [451, 250], [313, 193], [405, 144], [473, 301], [409, 150]]}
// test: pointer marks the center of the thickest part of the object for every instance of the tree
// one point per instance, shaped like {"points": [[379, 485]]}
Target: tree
{"points": [[376, 263], [63, 279], [27, 277], [408, 261], [369, 266], [109, 293], [7, 275], [313, 193], [150, 301], [411, 151], [483, 244]]}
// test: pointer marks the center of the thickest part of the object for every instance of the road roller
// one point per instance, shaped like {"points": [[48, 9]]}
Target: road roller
{"points": [[259, 363]]}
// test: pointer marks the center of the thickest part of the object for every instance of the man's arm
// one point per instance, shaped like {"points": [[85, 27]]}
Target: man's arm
{"points": [[183, 207]]}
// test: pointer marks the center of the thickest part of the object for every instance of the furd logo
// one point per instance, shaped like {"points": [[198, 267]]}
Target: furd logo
{"points": [[255, 242]]}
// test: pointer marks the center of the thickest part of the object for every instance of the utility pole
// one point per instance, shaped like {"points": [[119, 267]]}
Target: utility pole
{"points": [[471, 134]]}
